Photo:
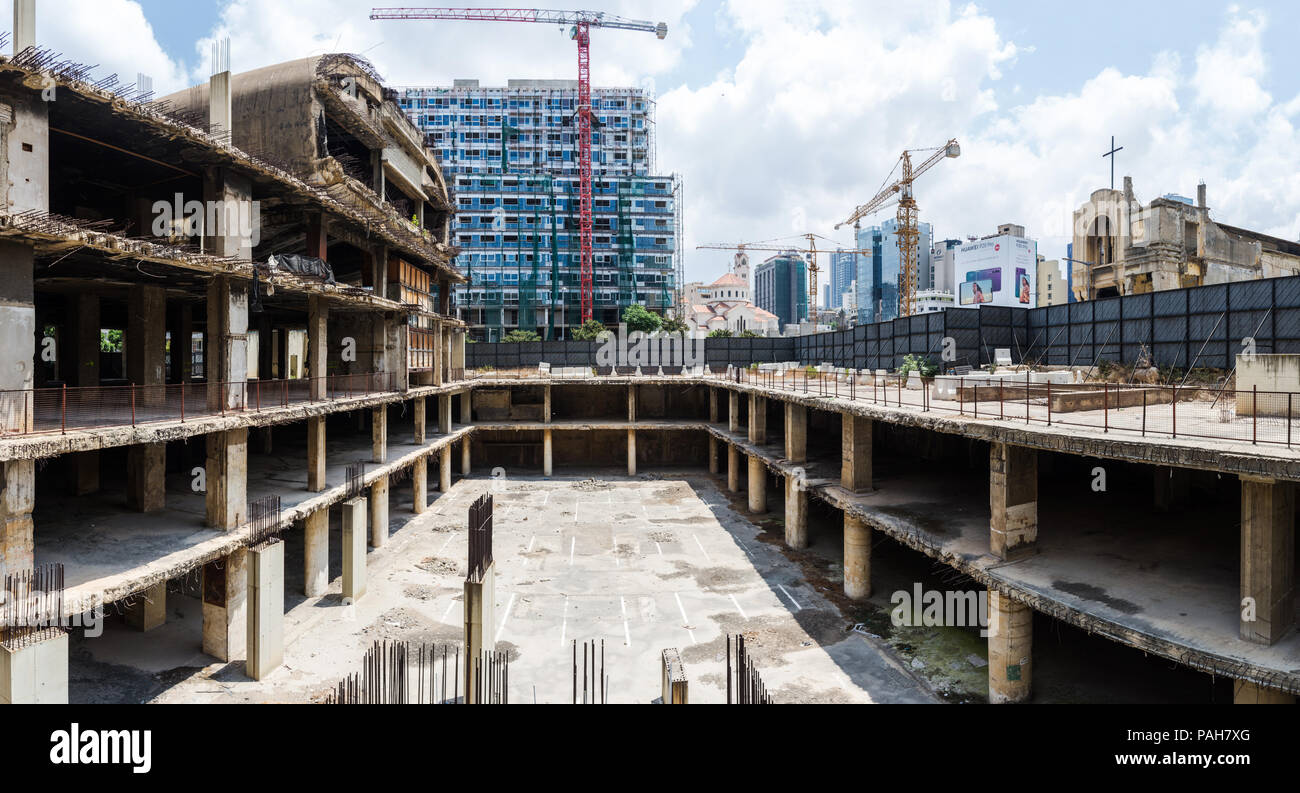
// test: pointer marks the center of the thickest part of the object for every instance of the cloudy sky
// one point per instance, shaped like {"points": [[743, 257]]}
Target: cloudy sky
{"points": [[782, 116]]}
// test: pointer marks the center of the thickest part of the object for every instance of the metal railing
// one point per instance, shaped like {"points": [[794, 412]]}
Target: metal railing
{"points": [[69, 408], [1200, 411]]}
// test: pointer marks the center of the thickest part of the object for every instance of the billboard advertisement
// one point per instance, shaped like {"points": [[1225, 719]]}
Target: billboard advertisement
{"points": [[999, 271]]}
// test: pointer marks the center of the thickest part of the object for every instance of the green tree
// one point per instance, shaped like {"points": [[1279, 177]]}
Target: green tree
{"points": [[674, 325], [637, 318], [720, 333], [590, 331], [521, 335], [110, 341]]}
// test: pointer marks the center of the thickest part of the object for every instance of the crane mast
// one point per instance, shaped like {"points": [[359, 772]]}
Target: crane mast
{"points": [[582, 22]]}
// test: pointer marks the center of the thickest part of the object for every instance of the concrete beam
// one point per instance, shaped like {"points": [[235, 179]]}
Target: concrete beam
{"points": [[225, 593], [796, 433], [379, 434], [757, 419], [227, 478], [1267, 559], [796, 512], [1011, 634], [148, 609], [420, 484], [316, 553], [379, 512], [855, 453], [1013, 500], [146, 477], [316, 454], [354, 549], [265, 637], [857, 558], [1244, 693], [757, 485]]}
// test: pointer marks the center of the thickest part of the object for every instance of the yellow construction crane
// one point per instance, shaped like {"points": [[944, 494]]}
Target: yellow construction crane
{"points": [[811, 252], [908, 233]]}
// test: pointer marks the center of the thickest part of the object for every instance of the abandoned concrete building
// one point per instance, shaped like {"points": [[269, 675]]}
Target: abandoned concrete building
{"points": [[1124, 247]]}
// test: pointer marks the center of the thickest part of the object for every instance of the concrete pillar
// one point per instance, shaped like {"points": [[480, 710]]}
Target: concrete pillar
{"points": [[464, 456], [18, 321], [265, 609], [146, 342], [17, 500], [316, 454], [855, 453], [1267, 559], [757, 485], [354, 549], [148, 609], [444, 469], [796, 512], [146, 477], [857, 558], [733, 411], [757, 420], [225, 592], [182, 345], [227, 478], [420, 484], [631, 403], [35, 674], [444, 414], [480, 623], [84, 326], [318, 313], [547, 462], [85, 472], [264, 434], [796, 433], [733, 468], [379, 512], [316, 553], [1245, 693], [466, 411], [713, 455], [1011, 634], [546, 405], [379, 434], [1013, 500], [713, 405], [225, 351], [631, 452], [1171, 488], [420, 416]]}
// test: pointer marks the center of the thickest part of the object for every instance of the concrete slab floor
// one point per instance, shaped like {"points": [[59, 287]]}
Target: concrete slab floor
{"points": [[644, 563]]}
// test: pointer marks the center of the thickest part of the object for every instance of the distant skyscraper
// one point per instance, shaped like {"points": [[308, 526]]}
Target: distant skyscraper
{"points": [[781, 287], [878, 274]]}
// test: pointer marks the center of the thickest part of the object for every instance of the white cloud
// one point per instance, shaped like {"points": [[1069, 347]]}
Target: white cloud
{"points": [[113, 36]]}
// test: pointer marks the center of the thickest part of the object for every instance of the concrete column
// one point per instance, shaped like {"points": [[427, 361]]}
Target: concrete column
{"points": [[227, 478], [182, 344], [713, 405], [631, 452], [85, 472], [713, 455], [855, 453], [148, 609], [444, 414], [733, 411], [420, 484], [419, 415], [796, 512], [757, 420], [1245, 693], [18, 322], [444, 469], [1267, 559], [265, 609], [316, 454], [318, 313], [379, 434], [225, 592], [464, 456], [796, 433], [379, 512], [264, 434], [857, 558], [1171, 488], [146, 343], [466, 412], [1013, 500], [733, 468], [316, 553], [35, 674], [17, 500], [225, 351], [354, 549], [631, 403], [546, 405], [480, 623], [1011, 634], [84, 326], [757, 485], [146, 477], [546, 453]]}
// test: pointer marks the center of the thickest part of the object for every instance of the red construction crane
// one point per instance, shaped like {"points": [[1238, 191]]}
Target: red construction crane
{"points": [[581, 22]]}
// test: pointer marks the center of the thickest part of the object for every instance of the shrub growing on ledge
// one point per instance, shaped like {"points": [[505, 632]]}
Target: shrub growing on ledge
{"points": [[720, 333], [590, 331], [916, 363]]}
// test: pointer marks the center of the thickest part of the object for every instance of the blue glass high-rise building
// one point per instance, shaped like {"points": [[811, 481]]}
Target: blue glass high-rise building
{"points": [[878, 273]]}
